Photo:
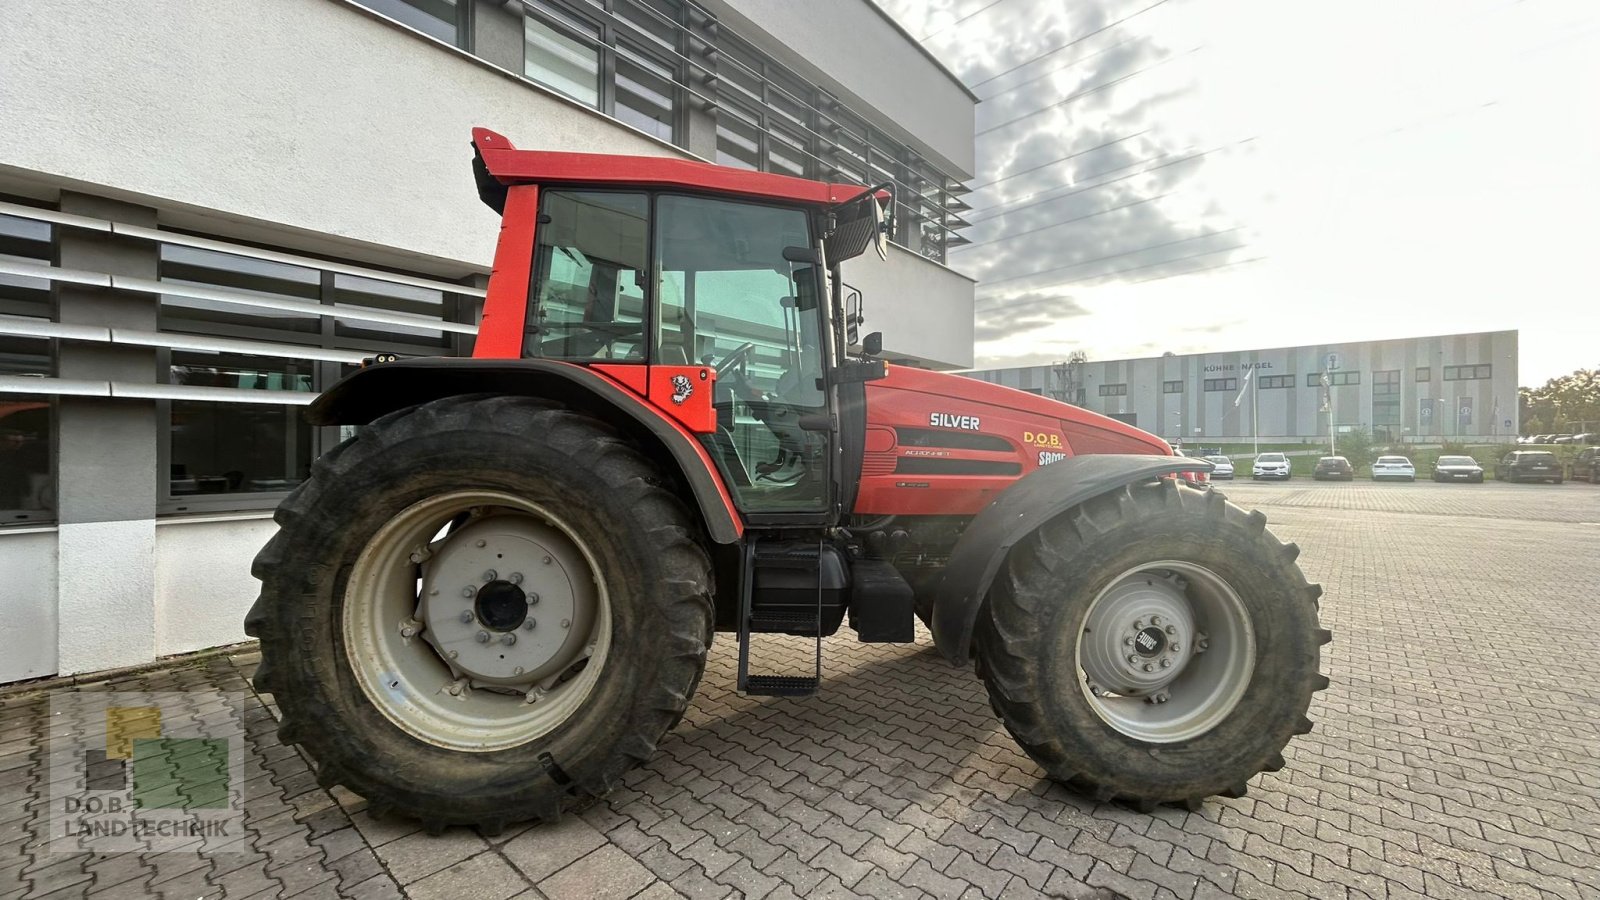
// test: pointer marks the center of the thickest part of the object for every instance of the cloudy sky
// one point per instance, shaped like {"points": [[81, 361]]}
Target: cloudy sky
{"points": [[1191, 175]]}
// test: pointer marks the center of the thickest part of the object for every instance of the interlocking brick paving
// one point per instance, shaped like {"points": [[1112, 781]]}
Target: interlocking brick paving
{"points": [[1457, 754]]}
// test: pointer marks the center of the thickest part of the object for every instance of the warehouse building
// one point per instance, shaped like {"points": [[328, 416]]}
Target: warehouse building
{"points": [[209, 213], [1443, 387]]}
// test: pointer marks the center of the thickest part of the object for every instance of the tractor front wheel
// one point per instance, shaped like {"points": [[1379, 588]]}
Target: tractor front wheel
{"points": [[481, 610], [1156, 644]]}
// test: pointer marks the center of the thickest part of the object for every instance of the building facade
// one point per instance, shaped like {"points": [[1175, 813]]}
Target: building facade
{"points": [[1443, 387], [209, 214]]}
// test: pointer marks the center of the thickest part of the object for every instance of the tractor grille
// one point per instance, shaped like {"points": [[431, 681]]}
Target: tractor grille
{"points": [[878, 463]]}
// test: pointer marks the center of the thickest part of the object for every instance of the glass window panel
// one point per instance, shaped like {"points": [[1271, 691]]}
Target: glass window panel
{"points": [[240, 274], [355, 292], [232, 448], [435, 17], [27, 492], [645, 93], [24, 356], [562, 60], [738, 141], [655, 18], [589, 298], [786, 154], [759, 317], [24, 241]]}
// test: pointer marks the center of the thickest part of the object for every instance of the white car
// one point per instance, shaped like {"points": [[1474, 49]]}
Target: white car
{"points": [[1224, 467], [1270, 465], [1397, 467]]}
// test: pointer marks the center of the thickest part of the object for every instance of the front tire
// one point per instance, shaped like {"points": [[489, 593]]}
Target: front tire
{"points": [[1055, 652], [404, 636]]}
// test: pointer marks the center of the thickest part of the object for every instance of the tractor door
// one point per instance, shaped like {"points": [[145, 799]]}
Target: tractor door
{"points": [[739, 291]]}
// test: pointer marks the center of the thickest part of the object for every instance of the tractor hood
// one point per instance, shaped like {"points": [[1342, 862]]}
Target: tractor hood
{"points": [[1086, 431]]}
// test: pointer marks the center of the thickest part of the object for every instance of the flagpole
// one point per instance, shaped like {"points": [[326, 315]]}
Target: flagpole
{"points": [[1255, 410]]}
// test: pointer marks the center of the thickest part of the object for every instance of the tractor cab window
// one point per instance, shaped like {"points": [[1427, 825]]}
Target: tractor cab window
{"points": [[730, 300], [589, 298]]}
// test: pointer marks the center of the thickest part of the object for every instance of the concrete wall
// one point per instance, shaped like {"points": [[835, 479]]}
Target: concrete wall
{"points": [[852, 48], [924, 309], [27, 603], [308, 114], [203, 586]]}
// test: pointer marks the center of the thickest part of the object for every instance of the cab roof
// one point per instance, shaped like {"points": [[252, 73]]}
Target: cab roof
{"points": [[499, 164]]}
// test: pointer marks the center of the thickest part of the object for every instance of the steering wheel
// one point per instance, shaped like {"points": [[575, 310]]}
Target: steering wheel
{"points": [[735, 360]]}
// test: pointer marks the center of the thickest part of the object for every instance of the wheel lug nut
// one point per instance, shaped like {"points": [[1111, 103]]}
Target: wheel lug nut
{"points": [[466, 616], [1128, 641], [483, 637], [1149, 668], [548, 560], [517, 671], [508, 639], [469, 592], [1138, 624], [1166, 664], [1175, 646], [532, 598], [566, 623], [528, 625], [1133, 660], [1155, 620], [490, 575], [515, 578], [482, 543]]}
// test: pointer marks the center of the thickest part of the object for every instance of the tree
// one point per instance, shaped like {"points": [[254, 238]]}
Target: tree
{"points": [[1570, 403], [1356, 446]]}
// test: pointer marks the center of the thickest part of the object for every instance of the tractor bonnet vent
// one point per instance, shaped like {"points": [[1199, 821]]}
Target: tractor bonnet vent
{"points": [[953, 440]]}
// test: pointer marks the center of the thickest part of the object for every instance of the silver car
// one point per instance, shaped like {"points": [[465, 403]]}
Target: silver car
{"points": [[1224, 468]]}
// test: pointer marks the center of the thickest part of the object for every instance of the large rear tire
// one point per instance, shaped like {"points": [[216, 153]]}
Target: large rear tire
{"points": [[1156, 644], [481, 610]]}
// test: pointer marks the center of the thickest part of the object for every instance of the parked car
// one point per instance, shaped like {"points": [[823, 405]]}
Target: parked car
{"points": [[1529, 465], [1458, 468], [1223, 470], [1270, 465], [1393, 467], [1585, 466], [1333, 468]]}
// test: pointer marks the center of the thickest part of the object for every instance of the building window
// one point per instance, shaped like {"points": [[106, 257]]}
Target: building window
{"points": [[1171, 387], [1277, 381], [1424, 373], [621, 58], [443, 19], [1468, 373], [232, 454], [26, 487], [1385, 384], [1113, 390], [1222, 384], [1035, 391], [1386, 397], [1334, 378], [238, 448]]}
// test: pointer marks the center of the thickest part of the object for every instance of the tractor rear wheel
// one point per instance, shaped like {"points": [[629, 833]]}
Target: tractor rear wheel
{"points": [[481, 610], [1156, 644]]}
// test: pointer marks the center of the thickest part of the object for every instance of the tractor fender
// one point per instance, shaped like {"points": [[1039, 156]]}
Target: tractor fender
{"points": [[1033, 500], [379, 389]]}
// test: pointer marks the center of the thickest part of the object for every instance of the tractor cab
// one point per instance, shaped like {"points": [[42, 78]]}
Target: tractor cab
{"points": [[711, 292]]}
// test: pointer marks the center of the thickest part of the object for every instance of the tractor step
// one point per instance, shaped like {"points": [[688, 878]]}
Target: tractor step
{"points": [[785, 617], [780, 685]]}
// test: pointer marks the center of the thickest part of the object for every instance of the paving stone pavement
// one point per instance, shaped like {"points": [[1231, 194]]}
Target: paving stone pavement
{"points": [[1457, 754]]}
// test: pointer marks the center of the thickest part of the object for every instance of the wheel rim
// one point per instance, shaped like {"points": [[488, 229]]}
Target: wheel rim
{"points": [[1166, 652], [476, 620]]}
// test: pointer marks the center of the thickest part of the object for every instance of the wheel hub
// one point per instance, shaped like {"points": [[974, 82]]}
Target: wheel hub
{"points": [[513, 631], [1137, 638]]}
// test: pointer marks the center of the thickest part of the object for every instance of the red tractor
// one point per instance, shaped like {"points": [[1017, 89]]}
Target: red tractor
{"points": [[497, 597]]}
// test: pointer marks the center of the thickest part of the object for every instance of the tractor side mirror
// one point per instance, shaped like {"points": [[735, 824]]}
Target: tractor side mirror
{"points": [[853, 316], [872, 344], [882, 224]]}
